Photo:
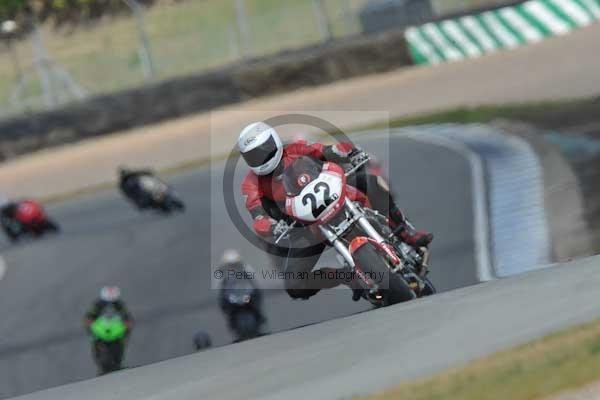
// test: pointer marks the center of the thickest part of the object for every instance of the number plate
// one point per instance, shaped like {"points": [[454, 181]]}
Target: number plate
{"points": [[317, 198]]}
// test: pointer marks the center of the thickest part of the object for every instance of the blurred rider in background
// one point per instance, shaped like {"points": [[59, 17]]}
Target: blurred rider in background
{"points": [[238, 276], [109, 297], [18, 216], [129, 183]]}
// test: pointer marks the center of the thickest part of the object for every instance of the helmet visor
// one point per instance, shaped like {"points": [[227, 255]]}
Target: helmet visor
{"points": [[261, 154]]}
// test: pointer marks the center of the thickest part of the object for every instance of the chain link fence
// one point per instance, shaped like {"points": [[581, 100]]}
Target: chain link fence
{"points": [[52, 67]]}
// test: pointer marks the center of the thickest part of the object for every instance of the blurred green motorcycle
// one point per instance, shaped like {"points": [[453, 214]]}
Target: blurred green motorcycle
{"points": [[109, 334]]}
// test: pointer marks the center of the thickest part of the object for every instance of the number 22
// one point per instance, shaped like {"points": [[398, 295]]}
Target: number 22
{"points": [[312, 199]]}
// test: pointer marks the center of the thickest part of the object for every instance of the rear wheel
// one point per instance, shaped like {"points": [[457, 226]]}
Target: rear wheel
{"points": [[392, 286]]}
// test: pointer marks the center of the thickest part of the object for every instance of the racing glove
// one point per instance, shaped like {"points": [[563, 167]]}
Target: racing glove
{"points": [[264, 226], [357, 156], [340, 153]]}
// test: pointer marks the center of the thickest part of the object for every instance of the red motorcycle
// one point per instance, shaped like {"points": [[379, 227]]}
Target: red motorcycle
{"points": [[27, 217], [385, 269]]}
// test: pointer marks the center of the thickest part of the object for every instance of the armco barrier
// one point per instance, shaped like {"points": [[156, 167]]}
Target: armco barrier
{"points": [[506, 28]]}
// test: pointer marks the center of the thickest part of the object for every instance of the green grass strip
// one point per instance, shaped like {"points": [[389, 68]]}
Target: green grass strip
{"points": [[565, 360]]}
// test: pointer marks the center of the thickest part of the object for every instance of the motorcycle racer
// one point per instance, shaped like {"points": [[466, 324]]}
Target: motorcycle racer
{"points": [[239, 282], [18, 216], [129, 182], [145, 190], [109, 301], [267, 157], [110, 296]]}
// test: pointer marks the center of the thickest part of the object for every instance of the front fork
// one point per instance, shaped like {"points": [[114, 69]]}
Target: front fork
{"points": [[396, 263], [338, 245], [362, 222]]}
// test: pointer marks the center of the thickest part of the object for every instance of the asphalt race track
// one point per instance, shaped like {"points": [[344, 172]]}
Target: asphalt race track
{"points": [[163, 266], [364, 353]]}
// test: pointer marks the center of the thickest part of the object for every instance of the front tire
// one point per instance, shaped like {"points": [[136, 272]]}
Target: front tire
{"points": [[392, 286], [246, 325], [51, 226], [202, 341], [109, 356], [172, 203]]}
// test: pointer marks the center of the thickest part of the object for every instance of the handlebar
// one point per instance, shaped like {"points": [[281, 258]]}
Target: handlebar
{"points": [[284, 228], [358, 165]]}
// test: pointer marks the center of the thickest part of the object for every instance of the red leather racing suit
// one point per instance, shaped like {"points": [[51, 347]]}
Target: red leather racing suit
{"points": [[265, 195], [265, 199]]}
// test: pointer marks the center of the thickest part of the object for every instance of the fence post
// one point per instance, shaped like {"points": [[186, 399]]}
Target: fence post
{"points": [[234, 42], [40, 60], [7, 31], [349, 19], [243, 28], [51, 74], [144, 52], [322, 17]]}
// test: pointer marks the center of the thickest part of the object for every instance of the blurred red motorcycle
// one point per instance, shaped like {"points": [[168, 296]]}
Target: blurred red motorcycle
{"points": [[26, 217]]}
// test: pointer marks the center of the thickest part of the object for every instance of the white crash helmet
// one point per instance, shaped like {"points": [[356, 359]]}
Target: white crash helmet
{"points": [[231, 256], [110, 294], [261, 147]]}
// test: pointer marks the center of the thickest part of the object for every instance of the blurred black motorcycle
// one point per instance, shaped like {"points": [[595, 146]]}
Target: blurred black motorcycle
{"points": [[241, 303], [146, 191]]}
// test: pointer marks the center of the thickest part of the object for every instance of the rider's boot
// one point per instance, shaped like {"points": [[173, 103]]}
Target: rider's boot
{"points": [[406, 231], [358, 291], [346, 276]]}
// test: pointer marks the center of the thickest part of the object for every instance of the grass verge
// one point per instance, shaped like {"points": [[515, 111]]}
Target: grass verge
{"points": [[543, 113], [185, 37], [544, 367]]}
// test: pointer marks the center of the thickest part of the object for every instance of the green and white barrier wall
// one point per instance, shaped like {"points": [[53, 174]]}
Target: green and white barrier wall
{"points": [[506, 28]]}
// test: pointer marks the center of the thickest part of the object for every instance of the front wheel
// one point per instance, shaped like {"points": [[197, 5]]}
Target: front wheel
{"points": [[109, 356], [392, 286], [202, 341], [173, 203], [51, 226], [169, 204], [246, 324]]}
